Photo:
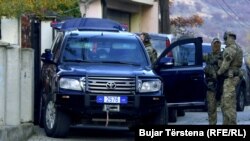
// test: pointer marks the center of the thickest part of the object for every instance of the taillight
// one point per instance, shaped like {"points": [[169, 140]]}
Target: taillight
{"points": [[168, 45]]}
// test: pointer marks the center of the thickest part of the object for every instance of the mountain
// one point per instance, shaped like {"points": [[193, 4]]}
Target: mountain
{"points": [[219, 16]]}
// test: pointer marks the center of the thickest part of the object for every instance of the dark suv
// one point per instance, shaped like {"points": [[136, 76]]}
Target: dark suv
{"points": [[102, 76], [97, 74]]}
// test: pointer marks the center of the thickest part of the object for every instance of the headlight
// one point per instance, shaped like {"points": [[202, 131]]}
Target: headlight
{"points": [[72, 84], [149, 85]]}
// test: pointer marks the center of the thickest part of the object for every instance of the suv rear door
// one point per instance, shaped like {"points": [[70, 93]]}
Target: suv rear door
{"points": [[180, 66], [159, 42]]}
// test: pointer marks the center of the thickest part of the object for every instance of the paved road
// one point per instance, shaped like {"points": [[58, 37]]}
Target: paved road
{"points": [[123, 134], [201, 118], [88, 134]]}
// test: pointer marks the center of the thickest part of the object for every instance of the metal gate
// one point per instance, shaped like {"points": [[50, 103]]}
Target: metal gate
{"points": [[36, 45]]}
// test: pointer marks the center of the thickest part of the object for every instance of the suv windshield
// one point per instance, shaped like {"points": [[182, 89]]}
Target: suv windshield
{"points": [[105, 50]]}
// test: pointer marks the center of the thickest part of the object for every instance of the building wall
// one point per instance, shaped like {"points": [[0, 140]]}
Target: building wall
{"points": [[144, 13], [10, 31], [150, 18], [136, 22], [46, 35], [94, 9], [17, 72], [17, 79]]}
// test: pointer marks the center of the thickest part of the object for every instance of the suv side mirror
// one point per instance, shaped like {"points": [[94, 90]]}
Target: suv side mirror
{"points": [[167, 62], [47, 56]]}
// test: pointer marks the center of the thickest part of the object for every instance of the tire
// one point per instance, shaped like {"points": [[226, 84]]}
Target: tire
{"points": [[180, 113], [241, 99], [172, 116], [56, 122], [162, 117], [156, 118]]}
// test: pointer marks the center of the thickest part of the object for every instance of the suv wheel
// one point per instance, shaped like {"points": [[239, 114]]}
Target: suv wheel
{"points": [[56, 122], [159, 118], [162, 117], [240, 98]]}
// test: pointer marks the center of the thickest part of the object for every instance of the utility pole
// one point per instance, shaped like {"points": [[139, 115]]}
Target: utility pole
{"points": [[165, 20]]}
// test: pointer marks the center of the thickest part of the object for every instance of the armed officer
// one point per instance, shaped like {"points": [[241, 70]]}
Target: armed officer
{"points": [[213, 61], [148, 45], [230, 69]]}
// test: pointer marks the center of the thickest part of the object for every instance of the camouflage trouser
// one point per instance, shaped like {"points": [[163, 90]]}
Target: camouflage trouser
{"points": [[228, 101], [212, 107]]}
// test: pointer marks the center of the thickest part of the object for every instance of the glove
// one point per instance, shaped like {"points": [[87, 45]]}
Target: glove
{"points": [[211, 86], [218, 72], [230, 73]]}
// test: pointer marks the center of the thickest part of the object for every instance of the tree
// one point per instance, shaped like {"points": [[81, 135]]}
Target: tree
{"points": [[193, 21], [180, 24], [16, 8]]}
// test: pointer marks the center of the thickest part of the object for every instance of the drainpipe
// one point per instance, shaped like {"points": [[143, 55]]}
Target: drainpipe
{"points": [[104, 8]]}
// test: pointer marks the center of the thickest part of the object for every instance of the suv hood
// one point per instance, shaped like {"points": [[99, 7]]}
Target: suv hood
{"points": [[105, 69]]}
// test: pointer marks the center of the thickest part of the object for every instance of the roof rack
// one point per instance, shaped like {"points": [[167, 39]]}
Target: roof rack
{"points": [[91, 24], [97, 29]]}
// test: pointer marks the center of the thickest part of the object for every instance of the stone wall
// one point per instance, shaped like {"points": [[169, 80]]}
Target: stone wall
{"points": [[16, 84]]}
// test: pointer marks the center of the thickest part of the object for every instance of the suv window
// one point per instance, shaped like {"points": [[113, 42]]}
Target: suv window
{"points": [[103, 49], [159, 45], [56, 47], [183, 55], [161, 41]]}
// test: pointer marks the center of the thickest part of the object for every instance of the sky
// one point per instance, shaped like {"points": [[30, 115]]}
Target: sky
{"points": [[219, 16]]}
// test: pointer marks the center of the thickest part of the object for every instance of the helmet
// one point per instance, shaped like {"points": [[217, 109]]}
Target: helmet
{"points": [[216, 47], [146, 36], [216, 40], [229, 33]]}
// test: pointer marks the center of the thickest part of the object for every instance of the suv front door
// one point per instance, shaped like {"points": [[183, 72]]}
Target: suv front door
{"points": [[180, 66]]}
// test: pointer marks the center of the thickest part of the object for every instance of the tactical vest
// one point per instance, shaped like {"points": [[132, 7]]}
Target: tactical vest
{"points": [[212, 65]]}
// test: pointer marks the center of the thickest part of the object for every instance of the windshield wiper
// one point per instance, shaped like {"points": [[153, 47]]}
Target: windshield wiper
{"points": [[89, 61], [76, 60], [119, 62]]}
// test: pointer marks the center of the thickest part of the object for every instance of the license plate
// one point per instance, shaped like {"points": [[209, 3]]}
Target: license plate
{"points": [[112, 99]]}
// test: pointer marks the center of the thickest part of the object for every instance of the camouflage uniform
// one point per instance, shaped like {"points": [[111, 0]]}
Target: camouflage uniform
{"points": [[213, 61], [151, 51], [230, 69]]}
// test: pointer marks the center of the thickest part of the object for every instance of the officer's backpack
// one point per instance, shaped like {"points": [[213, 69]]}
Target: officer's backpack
{"points": [[239, 56]]}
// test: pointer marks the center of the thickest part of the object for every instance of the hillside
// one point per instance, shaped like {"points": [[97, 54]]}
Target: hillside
{"points": [[219, 16]]}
